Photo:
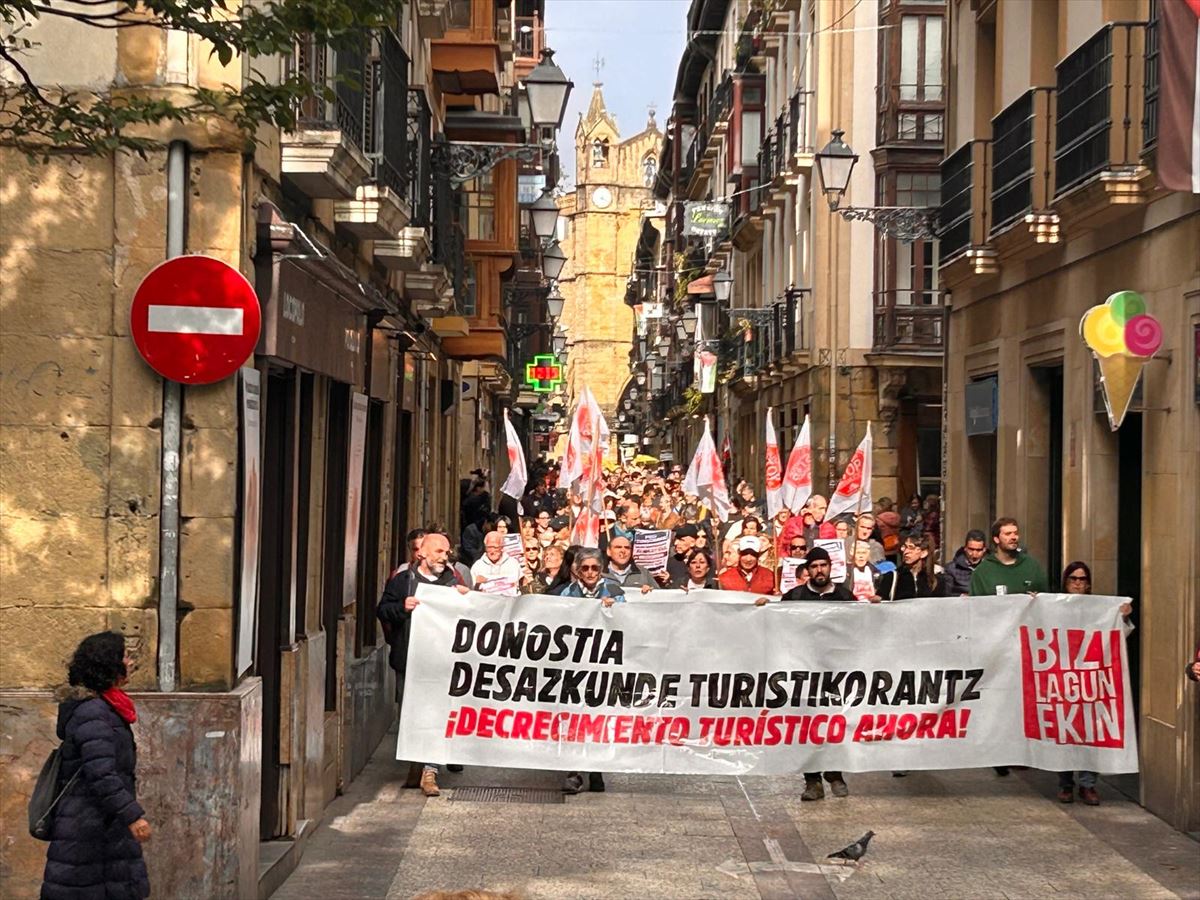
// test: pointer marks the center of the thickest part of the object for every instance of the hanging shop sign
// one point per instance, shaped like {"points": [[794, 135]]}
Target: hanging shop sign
{"points": [[308, 323], [1122, 337], [195, 319], [981, 406], [543, 374], [705, 218]]}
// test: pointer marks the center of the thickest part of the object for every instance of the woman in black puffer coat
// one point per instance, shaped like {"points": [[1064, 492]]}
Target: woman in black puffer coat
{"points": [[95, 848]]}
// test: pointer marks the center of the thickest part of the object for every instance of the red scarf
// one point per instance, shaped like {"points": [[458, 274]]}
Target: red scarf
{"points": [[122, 703]]}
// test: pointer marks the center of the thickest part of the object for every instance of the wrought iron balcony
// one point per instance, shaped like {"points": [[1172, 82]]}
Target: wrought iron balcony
{"points": [[419, 167], [963, 214], [909, 321], [716, 114], [1012, 162], [1099, 92], [386, 115]]}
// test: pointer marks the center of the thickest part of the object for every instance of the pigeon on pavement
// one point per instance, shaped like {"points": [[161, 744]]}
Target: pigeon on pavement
{"points": [[855, 851]]}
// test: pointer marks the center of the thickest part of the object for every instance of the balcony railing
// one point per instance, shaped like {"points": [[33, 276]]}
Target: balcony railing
{"points": [[799, 134], [448, 240], [1098, 96], [1012, 162], [718, 110], [1150, 93], [419, 143], [908, 321], [314, 60], [349, 103], [386, 129], [958, 188]]}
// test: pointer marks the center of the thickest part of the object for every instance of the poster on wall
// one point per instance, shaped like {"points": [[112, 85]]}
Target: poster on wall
{"points": [[250, 382], [354, 493]]}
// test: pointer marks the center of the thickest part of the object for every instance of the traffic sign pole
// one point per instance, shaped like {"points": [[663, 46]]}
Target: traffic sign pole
{"points": [[172, 441]]}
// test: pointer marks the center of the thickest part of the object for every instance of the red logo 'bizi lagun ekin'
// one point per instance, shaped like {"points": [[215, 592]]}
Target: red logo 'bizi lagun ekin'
{"points": [[1073, 686]]}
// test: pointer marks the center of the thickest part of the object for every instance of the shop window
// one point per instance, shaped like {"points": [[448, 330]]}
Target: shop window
{"points": [[479, 208]]}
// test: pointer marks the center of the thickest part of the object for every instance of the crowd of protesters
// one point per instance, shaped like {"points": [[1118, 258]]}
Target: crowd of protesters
{"points": [[878, 555]]}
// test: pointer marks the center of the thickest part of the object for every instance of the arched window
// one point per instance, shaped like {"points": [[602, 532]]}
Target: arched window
{"points": [[599, 153], [649, 170]]}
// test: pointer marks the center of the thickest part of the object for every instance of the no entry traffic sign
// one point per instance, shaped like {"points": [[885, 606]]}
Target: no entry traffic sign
{"points": [[195, 319]]}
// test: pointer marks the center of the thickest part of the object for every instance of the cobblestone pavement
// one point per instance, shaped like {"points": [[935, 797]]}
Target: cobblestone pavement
{"points": [[958, 834]]}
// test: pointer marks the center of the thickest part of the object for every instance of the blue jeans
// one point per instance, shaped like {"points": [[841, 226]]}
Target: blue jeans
{"points": [[1067, 779]]}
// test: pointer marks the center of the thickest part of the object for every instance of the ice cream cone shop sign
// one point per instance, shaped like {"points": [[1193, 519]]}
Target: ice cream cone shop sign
{"points": [[1123, 337]]}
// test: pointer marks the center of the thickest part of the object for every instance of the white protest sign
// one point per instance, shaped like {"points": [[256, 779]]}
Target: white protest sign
{"points": [[514, 547], [836, 548], [788, 573], [937, 683], [651, 549]]}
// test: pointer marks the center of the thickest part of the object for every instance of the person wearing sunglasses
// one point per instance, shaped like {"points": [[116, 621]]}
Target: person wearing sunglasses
{"points": [[1077, 579], [589, 583]]}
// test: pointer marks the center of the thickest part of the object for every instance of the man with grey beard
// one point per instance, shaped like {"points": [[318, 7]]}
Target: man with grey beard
{"points": [[395, 612]]}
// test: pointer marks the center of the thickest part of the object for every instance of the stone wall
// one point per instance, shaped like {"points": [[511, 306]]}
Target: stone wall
{"points": [[80, 419]]}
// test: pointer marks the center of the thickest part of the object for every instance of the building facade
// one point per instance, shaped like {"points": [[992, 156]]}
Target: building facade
{"points": [[828, 318], [1051, 202], [261, 671], [601, 224]]}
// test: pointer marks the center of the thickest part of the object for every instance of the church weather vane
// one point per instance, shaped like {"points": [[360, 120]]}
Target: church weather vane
{"points": [[597, 65]]}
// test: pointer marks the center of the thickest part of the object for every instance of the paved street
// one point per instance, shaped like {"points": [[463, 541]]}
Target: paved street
{"points": [[946, 834]]}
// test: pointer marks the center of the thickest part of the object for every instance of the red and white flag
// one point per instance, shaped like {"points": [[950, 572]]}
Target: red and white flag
{"points": [[774, 473], [583, 467], [853, 492], [797, 480], [518, 474], [1178, 157], [705, 479]]}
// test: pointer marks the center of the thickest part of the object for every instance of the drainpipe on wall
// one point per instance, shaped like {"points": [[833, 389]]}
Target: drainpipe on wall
{"points": [[168, 522]]}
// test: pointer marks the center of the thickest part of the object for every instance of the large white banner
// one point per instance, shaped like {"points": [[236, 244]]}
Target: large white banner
{"points": [[680, 684]]}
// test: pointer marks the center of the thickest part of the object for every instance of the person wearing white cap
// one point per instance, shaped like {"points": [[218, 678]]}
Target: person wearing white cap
{"points": [[748, 575]]}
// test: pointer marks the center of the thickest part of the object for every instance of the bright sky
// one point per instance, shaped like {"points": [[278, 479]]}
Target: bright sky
{"points": [[640, 42]]}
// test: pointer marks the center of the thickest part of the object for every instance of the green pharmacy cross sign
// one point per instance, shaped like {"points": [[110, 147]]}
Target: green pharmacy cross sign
{"points": [[544, 374]]}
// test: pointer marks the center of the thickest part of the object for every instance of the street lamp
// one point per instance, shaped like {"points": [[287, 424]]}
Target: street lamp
{"points": [[681, 331], [835, 162], [689, 322], [723, 286], [544, 215], [553, 260], [554, 301], [546, 91], [640, 378], [558, 343]]}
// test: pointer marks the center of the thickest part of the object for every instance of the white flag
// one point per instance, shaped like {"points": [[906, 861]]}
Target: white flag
{"points": [[705, 479], [582, 468], [774, 474], [518, 474], [797, 480], [853, 492]]}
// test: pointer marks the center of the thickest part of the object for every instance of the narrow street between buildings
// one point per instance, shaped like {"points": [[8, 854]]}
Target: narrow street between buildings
{"points": [[957, 834]]}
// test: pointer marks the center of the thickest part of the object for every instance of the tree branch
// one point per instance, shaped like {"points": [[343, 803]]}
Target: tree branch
{"points": [[29, 85]]}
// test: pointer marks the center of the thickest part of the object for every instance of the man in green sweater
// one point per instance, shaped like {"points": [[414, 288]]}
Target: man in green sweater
{"points": [[1007, 569]]}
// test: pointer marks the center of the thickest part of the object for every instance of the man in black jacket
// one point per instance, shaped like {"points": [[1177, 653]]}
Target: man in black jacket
{"points": [[962, 567], [395, 612], [820, 587]]}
